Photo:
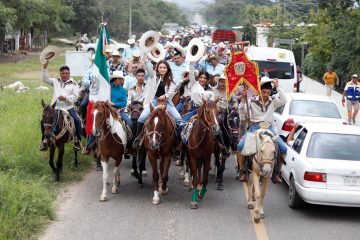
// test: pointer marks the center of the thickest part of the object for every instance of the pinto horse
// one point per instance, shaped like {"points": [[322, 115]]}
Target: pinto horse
{"points": [[58, 129], [261, 164], [201, 144], [159, 141], [230, 127], [112, 142]]}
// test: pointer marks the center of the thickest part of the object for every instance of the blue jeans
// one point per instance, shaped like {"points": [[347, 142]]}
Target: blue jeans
{"points": [[169, 107], [77, 121], [84, 102], [180, 105], [254, 128], [125, 117]]}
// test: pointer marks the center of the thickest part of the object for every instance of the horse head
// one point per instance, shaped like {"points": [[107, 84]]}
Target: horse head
{"points": [[135, 108], [266, 151], [48, 119], [155, 126], [209, 114], [233, 125], [100, 115]]}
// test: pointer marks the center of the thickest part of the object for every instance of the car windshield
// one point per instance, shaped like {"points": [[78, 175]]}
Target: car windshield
{"points": [[281, 70], [314, 109], [334, 146]]}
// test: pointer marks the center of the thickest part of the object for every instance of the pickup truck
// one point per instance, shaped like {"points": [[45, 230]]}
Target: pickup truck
{"points": [[114, 45]]}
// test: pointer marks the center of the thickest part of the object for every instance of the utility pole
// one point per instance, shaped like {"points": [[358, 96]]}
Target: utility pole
{"points": [[130, 18]]}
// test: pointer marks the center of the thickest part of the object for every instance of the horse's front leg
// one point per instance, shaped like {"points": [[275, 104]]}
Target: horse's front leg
{"points": [[76, 162], [262, 195], [221, 174], [206, 169], [165, 174], [250, 186], [217, 163], [51, 158], [104, 164], [182, 160], [195, 181], [155, 182], [59, 163], [256, 183], [116, 179]]}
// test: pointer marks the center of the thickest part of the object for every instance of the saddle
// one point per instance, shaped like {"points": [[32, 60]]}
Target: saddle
{"points": [[68, 126], [187, 129]]}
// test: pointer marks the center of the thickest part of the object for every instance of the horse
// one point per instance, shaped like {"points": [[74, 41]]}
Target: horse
{"points": [[201, 144], [230, 127], [112, 139], [138, 162], [58, 128], [159, 140], [261, 165]]}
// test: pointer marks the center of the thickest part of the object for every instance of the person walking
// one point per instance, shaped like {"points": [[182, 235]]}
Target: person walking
{"points": [[352, 94], [329, 78]]}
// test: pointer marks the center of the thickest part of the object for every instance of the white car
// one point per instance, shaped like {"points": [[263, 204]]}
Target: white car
{"points": [[322, 165], [301, 108], [114, 45]]}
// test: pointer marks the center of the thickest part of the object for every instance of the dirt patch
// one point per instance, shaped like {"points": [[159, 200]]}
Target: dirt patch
{"points": [[18, 57]]}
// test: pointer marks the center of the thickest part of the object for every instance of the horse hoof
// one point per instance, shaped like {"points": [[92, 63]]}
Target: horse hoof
{"points": [[186, 183], [237, 178], [262, 215], [193, 205], [250, 206], [144, 173], [115, 191], [220, 187], [256, 219], [98, 168], [103, 198], [156, 201], [56, 178], [163, 192], [132, 173]]}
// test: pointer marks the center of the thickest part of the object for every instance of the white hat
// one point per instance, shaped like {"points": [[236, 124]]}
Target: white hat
{"points": [[116, 53], [177, 37], [49, 53], [117, 74], [265, 80], [136, 53], [131, 41], [355, 75], [222, 76], [108, 50], [222, 45]]}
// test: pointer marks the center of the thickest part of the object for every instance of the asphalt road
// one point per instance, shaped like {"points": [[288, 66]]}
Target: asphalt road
{"points": [[221, 215]]}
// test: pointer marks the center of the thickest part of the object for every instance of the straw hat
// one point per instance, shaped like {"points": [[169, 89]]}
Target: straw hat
{"points": [[136, 53], [48, 53]]}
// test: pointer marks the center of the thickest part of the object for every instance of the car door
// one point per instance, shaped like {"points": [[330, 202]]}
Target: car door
{"points": [[278, 119]]}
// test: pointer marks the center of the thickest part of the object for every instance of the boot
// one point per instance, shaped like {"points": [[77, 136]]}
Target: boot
{"points": [[77, 144], [138, 135], [44, 145], [224, 151], [90, 145], [277, 178]]}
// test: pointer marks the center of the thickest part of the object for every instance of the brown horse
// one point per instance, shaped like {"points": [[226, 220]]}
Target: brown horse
{"points": [[112, 141], [201, 145], [58, 128], [159, 141]]}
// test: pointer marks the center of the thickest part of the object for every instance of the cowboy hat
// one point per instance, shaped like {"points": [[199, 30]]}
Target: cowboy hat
{"points": [[49, 53], [148, 41], [116, 74], [116, 53], [131, 41], [264, 80], [213, 56], [179, 49], [222, 76], [136, 53], [195, 50], [157, 53], [108, 49]]}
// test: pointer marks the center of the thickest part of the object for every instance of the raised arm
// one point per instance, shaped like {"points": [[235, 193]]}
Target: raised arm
{"points": [[45, 75], [149, 69]]}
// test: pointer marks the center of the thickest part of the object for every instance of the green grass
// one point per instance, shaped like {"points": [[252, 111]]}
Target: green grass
{"points": [[27, 190]]}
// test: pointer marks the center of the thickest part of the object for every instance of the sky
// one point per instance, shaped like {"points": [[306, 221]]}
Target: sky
{"points": [[190, 3]]}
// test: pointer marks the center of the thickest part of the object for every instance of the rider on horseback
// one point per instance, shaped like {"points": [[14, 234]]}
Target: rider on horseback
{"points": [[66, 91], [262, 110], [223, 105]]}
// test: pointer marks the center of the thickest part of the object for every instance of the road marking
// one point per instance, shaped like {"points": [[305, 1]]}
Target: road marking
{"points": [[260, 230]]}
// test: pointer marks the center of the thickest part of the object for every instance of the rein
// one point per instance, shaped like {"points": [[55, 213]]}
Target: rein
{"points": [[205, 130]]}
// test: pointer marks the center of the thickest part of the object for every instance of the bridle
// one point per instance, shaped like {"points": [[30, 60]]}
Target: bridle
{"points": [[257, 156], [148, 134]]}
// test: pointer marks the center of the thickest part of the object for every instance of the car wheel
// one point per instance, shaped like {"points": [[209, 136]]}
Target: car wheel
{"points": [[91, 50], [295, 200]]}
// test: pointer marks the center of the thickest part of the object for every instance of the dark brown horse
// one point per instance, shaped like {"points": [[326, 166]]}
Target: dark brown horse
{"points": [[112, 141], [201, 145], [159, 141], [58, 129]]}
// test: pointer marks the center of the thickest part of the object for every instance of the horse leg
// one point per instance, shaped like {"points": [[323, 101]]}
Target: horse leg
{"points": [[76, 162], [182, 159], [195, 181], [134, 171], [206, 169], [103, 197], [51, 159], [221, 173], [141, 163], [155, 182], [116, 179], [262, 196], [250, 192], [256, 183], [164, 177], [59, 163], [238, 160], [217, 164]]}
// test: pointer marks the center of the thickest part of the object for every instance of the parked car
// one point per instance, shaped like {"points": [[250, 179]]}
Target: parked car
{"points": [[322, 165], [114, 45], [301, 108]]}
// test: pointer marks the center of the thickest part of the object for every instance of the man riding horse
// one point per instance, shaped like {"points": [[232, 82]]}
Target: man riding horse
{"points": [[66, 93], [262, 109]]}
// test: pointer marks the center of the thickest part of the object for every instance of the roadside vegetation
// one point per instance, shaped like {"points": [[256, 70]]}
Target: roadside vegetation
{"points": [[27, 189]]}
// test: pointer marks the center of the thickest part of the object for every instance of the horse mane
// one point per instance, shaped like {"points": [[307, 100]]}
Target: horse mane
{"points": [[136, 102], [113, 111]]}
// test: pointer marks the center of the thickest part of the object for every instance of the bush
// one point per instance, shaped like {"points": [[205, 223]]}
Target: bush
{"points": [[314, 67]]}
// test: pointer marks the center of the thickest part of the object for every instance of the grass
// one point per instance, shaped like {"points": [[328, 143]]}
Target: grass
{"points": [[27, 190]]}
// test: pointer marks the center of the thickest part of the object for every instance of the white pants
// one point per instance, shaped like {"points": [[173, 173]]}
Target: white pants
{"points": [[329, 89]]}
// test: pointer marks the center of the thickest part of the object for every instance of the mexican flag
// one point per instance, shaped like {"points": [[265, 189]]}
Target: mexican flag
{"points": [[100, 84]]}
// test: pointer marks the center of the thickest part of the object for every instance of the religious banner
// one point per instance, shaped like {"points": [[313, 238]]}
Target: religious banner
{"points": [[241, 70]]}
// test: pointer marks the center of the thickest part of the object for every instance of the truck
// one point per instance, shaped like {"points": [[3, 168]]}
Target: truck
{"points": [[223, 35], [114, 45]]}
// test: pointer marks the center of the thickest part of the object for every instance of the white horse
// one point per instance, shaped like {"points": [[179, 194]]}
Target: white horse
{"points": [[261, 166]]}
